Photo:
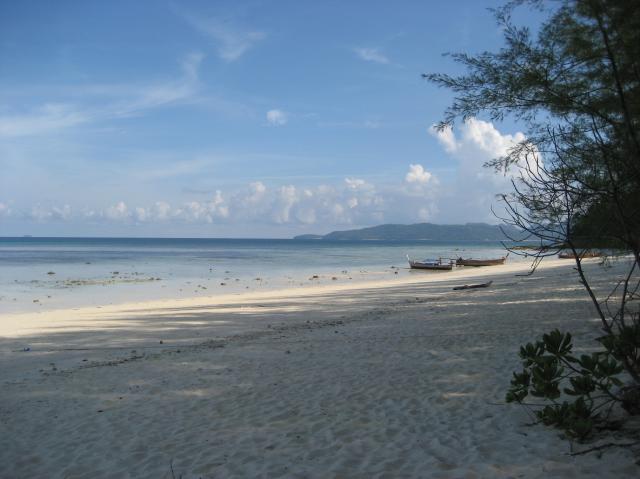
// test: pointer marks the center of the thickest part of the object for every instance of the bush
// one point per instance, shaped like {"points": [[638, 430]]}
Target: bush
{"points": [[581, 390]]}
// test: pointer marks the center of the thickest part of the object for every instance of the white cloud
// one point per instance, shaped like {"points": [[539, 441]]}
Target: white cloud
{"points": [[41, 213], [417, 174], [277, 117], [129, 101], [258, 187], [161, 210], [474, 189], [50, 116], [160, 94], [286, 197], [446, 138], [480, 140], [232, 41], [207, 211], [5, 210], [371, 55], [117, 212], [415, 194], [140, 214], [355, 183]]}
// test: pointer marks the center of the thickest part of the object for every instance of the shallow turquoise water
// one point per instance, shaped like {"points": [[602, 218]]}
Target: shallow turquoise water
{"points": [[96, 271]]}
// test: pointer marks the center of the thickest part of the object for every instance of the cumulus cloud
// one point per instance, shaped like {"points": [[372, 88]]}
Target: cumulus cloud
{"points": [[117, 212], [355, 183], [42, 213], [371, 55], [474, 189], [286, 197], [5, 210], [478, 141], [416, 194], [206, 211], [277, 117], [353, 201], [446, 138], [161, 210], [417, 174]]}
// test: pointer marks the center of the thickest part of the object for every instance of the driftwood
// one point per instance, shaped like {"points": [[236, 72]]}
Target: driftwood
{"points": [[473, 286]]}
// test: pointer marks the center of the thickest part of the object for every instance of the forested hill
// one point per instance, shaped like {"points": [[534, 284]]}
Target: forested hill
{"points": [[422, 231]]}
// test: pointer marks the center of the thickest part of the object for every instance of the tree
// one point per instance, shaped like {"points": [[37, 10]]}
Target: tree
{"points": [[576, 88]]}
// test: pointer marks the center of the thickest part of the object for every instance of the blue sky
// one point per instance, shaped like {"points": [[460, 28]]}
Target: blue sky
{"points": [[237, 119]]}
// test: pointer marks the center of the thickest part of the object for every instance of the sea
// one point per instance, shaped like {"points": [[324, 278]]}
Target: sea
{"points": [[38, 274]]}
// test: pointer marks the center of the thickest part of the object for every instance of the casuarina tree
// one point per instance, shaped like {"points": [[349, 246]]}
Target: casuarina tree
{"points": [[575, 86]]}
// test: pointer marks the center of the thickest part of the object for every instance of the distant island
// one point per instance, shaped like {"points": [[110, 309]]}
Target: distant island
{"points": [[422, 231]]}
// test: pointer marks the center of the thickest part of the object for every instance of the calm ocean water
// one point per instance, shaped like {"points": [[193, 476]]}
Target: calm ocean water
{"points": [[49, 273]]}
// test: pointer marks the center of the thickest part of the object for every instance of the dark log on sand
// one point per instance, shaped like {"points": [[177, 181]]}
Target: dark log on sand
{"points": [[473, 286]]}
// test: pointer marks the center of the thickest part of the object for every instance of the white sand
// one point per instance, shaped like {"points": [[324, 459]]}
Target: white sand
{"points": [[393, 379]]}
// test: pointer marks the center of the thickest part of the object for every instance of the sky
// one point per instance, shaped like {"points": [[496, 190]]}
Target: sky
{"points": [[239, 119]]}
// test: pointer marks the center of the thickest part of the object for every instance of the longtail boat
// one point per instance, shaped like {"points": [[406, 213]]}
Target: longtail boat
{"points": [[581, 254], [436, 264], [480, 262]]}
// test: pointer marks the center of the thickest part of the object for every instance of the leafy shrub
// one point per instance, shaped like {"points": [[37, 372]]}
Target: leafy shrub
{"points": [[581, 390]]}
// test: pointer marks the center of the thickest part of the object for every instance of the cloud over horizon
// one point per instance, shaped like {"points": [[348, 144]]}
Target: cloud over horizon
{"points": [[354, 201], [417, 195]]}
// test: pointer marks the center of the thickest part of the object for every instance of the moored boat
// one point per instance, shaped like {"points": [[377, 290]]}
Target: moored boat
{"points": [[480, 262], [435, 264], [581, 254]]}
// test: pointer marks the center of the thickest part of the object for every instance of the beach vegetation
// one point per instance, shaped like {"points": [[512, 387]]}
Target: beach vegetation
{"points": [[575, 85], [580, 390]]}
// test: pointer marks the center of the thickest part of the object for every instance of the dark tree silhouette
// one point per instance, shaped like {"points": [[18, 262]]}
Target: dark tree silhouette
{"points": [[576, 87]]}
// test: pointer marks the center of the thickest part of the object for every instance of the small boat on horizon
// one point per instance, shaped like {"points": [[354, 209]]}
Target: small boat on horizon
{"points": [[434, 264], [481, 262]]}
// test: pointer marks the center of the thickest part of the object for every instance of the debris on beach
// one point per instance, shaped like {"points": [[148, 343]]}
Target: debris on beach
{"points": [[473, 286]]}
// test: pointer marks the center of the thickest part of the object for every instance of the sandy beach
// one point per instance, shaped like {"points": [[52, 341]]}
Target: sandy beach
{"points": [[397, 378]]}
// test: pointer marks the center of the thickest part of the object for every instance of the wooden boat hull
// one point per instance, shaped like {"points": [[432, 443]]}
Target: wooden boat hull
{"points": [[480, 262], [437, 267], [582, 255]]}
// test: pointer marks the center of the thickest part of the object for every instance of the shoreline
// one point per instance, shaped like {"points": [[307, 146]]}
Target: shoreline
{"points": [[18, 324], [72, 274]]}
